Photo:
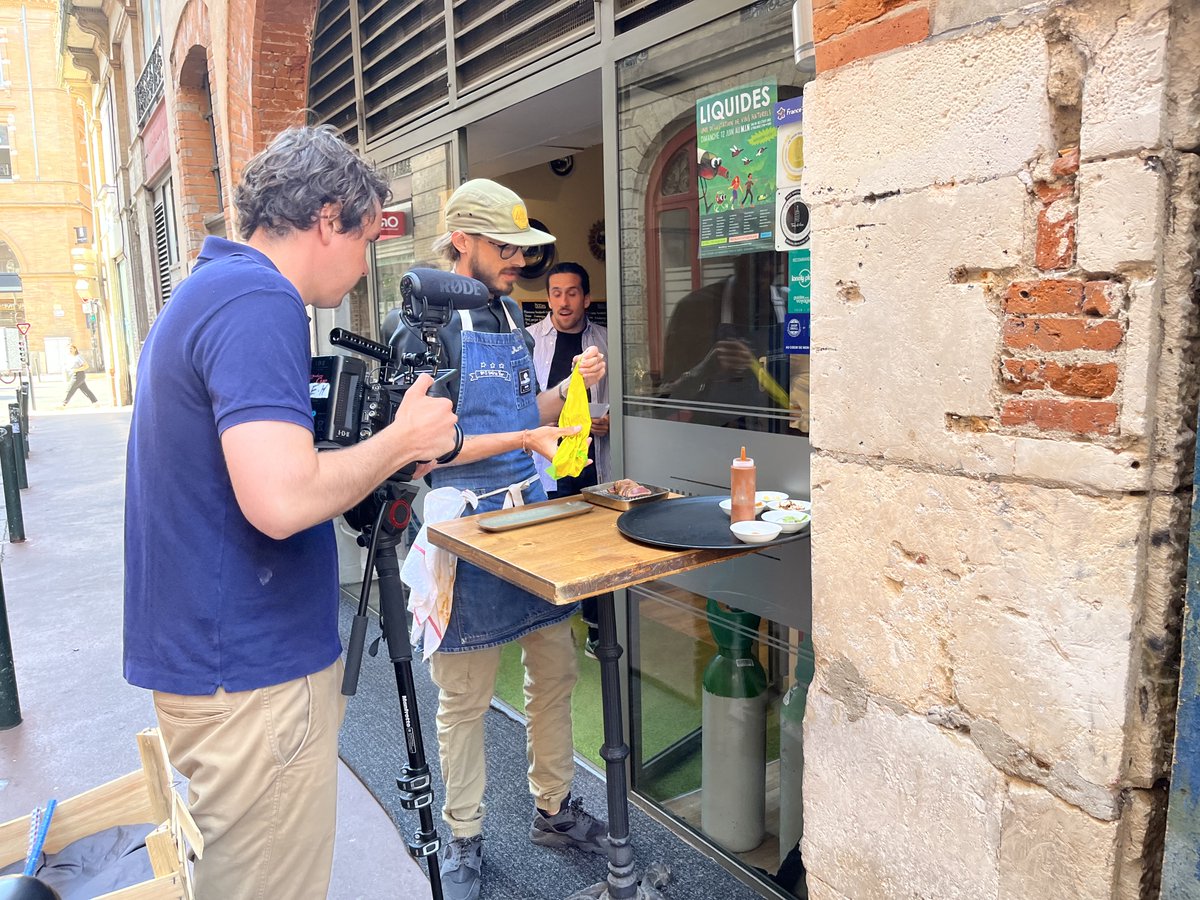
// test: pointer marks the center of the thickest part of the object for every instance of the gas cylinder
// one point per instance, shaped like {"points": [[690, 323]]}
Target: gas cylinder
{"points": [[734, 744], [791, 752]]}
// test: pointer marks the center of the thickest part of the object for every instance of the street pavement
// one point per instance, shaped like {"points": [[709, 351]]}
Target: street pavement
{"points": [[62, 588]]}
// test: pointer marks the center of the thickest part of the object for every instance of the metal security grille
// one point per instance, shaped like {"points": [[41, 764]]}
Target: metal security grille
{"points": [[632, 13], [494, 38], [331, 92], [403, 60], [162, 251], [406, 65]]}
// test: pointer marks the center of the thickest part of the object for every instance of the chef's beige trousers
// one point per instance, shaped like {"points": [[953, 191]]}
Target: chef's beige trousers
{"points": [[466, 681], [262, 784]]}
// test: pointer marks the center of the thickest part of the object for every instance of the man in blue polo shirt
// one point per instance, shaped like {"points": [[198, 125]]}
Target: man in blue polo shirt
{"points": [[231, 586]]}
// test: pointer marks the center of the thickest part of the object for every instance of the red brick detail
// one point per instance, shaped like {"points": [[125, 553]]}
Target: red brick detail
{"points": [[1074, 416], [1056, 235], [1041, 333], [1019, 375], [1102, 298], [877, 37], [1092, 380], [1045, 297], [195, 159], [835, 17], [1066, 164]]}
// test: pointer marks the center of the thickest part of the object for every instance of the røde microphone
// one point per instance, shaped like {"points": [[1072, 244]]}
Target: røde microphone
{"points": [[429, 295]]}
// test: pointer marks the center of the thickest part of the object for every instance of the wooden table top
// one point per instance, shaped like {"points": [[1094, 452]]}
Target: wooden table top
{"points": [[566, 560]]}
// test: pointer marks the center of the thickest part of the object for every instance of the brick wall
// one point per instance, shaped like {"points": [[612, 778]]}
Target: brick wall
{"points": [[267, 77], [846, 30], [194, 158]]}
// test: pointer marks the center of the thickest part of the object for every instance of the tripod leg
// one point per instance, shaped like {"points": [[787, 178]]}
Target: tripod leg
{"points": [[415, 782]]}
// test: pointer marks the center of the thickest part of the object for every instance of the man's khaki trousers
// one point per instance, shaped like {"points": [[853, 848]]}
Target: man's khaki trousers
{"points": [[262, 784], [466, 682]]}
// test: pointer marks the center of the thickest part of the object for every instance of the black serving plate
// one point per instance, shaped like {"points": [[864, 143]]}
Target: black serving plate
{"points": [[690, 523]]}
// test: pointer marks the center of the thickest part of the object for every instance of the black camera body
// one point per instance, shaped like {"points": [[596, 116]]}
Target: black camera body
{"points": [[351, 402]]}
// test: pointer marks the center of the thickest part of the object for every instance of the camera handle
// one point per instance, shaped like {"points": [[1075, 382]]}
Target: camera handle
{"points": [[415, 782]]}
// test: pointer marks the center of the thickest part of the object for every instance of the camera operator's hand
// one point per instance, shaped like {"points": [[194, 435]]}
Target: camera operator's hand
{"points": [[424, 423], [544, 440], [591, 365]]}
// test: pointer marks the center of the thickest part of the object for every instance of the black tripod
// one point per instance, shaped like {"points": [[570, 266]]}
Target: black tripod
{"points": [[393, 500]]}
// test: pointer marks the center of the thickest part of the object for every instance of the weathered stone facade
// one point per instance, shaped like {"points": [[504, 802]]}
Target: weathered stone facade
{"points": [[1003, 385]]}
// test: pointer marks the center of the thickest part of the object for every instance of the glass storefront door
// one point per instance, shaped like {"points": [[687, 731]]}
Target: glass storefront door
{"points": [[715, 357]]}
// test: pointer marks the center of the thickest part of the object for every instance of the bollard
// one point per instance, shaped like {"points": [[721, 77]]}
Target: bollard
{"points": [[18, 435], [23, 400], [12, 493], [10, 703]]}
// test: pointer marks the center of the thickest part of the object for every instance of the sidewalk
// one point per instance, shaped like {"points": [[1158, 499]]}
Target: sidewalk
{"points": [[63, 588]]}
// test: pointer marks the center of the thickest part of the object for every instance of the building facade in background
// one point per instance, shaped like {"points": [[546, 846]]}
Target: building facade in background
{"points": [[969, 677], [46, 223]]}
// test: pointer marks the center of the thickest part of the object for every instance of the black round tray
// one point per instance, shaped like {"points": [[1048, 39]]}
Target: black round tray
{"points": [[689, 523]]}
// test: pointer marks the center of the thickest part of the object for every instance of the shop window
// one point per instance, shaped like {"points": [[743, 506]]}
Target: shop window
{"points": [[6, 166], [720, 660]]}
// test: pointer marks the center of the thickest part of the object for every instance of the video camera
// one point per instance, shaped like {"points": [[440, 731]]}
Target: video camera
{"points": [[350, 402]]}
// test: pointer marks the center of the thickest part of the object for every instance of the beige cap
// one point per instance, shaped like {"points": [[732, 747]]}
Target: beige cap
{"points": [[481, 206]]}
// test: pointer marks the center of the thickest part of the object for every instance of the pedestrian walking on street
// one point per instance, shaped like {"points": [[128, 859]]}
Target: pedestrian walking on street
{"points": [[77, 372]]}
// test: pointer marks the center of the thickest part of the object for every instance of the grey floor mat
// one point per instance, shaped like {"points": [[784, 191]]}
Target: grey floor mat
{"points": [[372, 744]]}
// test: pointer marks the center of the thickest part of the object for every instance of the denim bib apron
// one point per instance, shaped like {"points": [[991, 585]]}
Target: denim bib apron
{"points": [[497, 393]]}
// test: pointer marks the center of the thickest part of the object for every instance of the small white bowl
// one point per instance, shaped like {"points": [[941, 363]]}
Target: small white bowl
{"points": [[755, 532], [727, 506], [789, 520], [769, 496], [792, 505]]}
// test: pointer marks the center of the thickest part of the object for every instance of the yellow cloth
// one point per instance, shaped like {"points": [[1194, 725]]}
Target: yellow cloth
{"points": [[572, 453]]}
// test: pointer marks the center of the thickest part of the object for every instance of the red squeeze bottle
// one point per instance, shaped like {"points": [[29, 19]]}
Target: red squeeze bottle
{"points": [[741, 489]]}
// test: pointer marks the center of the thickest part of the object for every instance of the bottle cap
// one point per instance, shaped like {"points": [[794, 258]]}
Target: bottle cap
{"points": [[743, 462]]}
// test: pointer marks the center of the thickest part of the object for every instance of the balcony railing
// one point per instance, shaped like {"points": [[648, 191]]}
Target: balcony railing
{"points": [[150, 84]]}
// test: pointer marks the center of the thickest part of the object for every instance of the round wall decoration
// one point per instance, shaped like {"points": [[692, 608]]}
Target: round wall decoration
{"points": [[596, 239], [540, 258]]}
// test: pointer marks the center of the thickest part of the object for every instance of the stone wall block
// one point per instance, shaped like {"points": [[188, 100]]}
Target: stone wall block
{"points": [[926, 816], [1183, 84], [1121, 206], [1021, 596], [1050, 850], [979, 85], [1156, 641], [1124, 88], [875, 288], [1176, 389], [949, 15]]}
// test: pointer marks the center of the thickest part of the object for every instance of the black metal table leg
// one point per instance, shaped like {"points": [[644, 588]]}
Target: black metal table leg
{"points": [[622, 882]]}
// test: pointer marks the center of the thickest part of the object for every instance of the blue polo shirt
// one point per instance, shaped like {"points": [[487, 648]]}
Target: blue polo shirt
{"points": [[210, 601]]}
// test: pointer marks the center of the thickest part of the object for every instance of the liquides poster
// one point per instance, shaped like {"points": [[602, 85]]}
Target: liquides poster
{"points": [[735, 150]]}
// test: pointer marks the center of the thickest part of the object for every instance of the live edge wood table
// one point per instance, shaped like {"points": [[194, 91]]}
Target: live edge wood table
{"points": [[566, 560]]}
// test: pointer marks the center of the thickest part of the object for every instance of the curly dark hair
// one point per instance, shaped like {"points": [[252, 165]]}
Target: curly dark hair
{"points": [[285, 186]]}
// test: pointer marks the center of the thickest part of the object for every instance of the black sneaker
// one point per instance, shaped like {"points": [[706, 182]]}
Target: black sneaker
{"points": [[571, 826], [462, 867], [590, 646]]}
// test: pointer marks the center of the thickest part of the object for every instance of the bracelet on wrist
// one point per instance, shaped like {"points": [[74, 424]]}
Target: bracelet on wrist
{"points": [[525, 441], [562, 390]]}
